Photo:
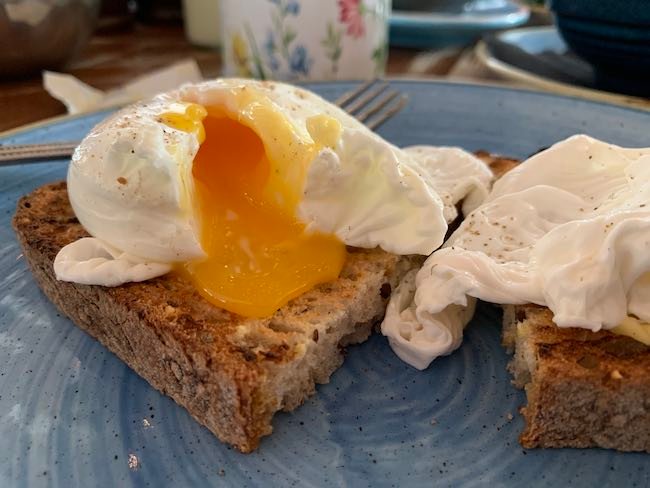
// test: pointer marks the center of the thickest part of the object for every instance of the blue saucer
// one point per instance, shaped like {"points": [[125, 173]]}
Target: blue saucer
{"points": [[452, 27]]}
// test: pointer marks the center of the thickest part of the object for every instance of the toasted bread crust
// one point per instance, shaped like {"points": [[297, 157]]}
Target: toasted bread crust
{"points": [[231, 373], [584, 389], [499, 165]]}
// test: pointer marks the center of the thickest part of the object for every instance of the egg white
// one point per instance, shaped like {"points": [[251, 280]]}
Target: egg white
{"points": [[568, 229]]}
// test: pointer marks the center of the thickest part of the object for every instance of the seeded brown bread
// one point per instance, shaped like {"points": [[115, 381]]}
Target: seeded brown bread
{"points": [[584, 389], [231, 373]]}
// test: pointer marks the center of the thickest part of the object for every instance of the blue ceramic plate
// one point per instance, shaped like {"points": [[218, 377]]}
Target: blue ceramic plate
{"points": [[542, 52], [437, 29], [539, 58], [73, 415], [535, 40]]}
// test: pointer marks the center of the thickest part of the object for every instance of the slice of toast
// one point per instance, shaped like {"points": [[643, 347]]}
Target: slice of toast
{"points": [[584, 389], [231, 373]]}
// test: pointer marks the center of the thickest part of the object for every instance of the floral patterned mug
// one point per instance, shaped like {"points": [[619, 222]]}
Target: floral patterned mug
{"points": [[305, 39]]}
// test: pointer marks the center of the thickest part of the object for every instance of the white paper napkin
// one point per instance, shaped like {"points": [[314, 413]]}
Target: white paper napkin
{"points": [[79, 97]]}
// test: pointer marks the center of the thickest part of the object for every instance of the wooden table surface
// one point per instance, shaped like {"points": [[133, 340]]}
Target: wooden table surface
{"points": [[110, 60]]}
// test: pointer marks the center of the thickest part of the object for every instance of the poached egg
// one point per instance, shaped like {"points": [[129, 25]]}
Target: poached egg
{"points": [[252, 190], [568, 229]]}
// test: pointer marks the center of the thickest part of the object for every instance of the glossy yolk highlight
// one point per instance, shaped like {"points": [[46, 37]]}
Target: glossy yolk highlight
{"points": [[258, 255]]}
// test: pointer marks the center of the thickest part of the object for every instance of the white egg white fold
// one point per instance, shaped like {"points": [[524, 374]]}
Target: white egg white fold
{"points": [[568, 229], [89, 259], [374, 194]]}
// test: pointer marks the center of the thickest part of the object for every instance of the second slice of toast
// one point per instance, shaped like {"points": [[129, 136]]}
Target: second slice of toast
{"points": [[231, 373], [584, 389]]}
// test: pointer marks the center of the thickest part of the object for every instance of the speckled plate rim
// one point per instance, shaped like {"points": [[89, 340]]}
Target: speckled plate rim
{"points": [[515, 74], [540, 86], [16, 131]]}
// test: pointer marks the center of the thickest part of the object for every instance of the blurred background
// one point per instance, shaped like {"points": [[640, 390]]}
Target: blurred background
{"points": [[76, 56]]}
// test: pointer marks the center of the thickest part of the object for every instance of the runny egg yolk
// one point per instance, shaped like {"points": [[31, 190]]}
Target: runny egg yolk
{"points": [[258, 255]]}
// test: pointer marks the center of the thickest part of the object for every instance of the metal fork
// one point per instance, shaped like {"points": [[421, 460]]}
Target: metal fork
{"points": [[372, 103]]}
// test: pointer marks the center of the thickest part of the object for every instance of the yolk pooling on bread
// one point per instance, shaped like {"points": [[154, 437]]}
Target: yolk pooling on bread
{"points": [[258, 255]]}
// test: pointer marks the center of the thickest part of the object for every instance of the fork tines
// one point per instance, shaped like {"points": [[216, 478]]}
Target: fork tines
{"points": [[372, 102]]}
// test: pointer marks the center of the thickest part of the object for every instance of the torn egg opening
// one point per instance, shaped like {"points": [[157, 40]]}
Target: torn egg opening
{"points": [[257, 253]]}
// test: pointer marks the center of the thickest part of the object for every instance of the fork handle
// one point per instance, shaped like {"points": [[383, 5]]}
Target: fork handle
{"points": [[30, 153]]}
